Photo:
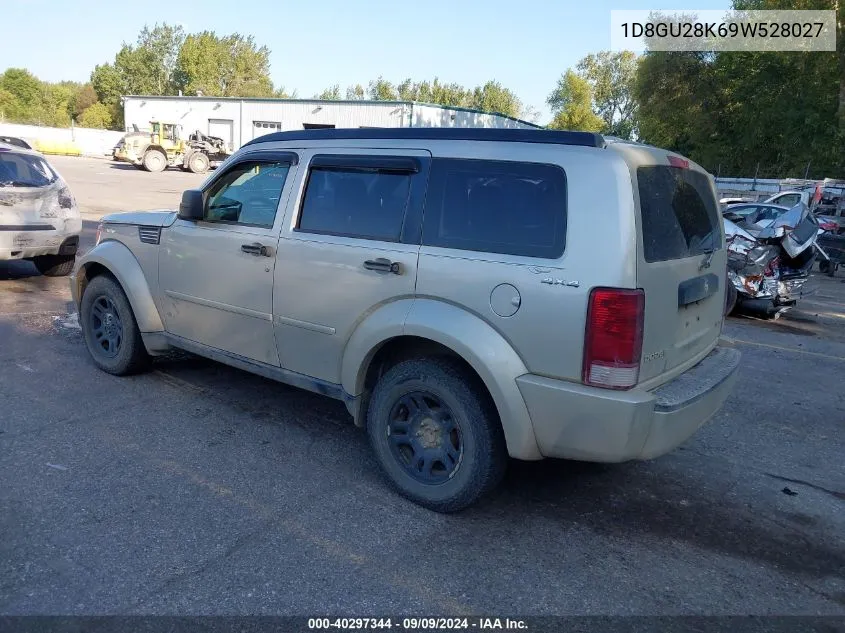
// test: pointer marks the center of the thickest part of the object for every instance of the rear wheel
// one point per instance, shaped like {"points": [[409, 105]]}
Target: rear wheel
{"points": [[155, 160], [827, 267], [110, 330], [436, 434], [54, 265], [198, 163]]}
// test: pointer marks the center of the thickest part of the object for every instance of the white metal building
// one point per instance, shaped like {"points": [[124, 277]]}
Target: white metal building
{"points": [[240, 120]]}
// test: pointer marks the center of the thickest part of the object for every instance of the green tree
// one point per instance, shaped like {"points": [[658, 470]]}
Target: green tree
{"points": [[97, 115], [146, 68], [736, 111], [23, 103], [356, 93], [108, 83], [332, 93], [227, 66], [8, 105], [56, 103], [159, 47], [493, 97], [382, 90], [612, 77], [83, 98], [571, 103]]}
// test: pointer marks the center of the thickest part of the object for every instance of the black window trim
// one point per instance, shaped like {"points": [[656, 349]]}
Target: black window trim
{"points": [[560, 244], [417, 169], [353, 162], [260, 156]]}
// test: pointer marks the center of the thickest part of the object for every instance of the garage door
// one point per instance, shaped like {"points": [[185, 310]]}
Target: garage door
{"points": [[260, 128], [221, 128]]}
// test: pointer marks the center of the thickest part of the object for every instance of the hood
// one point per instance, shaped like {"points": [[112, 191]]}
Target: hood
{"points": [[159, 217]]}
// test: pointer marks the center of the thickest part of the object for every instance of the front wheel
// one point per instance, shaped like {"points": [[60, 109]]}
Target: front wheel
{"points": [[155, 160], [435, 434], [54, 265], [198, 163], [110, 330]]}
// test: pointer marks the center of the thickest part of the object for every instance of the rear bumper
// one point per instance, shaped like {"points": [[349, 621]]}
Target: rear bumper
{"points": [[22, 242], [577, 422]]}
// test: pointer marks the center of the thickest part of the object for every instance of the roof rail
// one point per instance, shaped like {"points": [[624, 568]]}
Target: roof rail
{"points": [[554, 137]]}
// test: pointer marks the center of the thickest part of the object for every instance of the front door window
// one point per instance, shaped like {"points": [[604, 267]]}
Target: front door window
{"points": [[248, 194]]}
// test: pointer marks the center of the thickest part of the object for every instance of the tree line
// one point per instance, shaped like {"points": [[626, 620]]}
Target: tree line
{"points": [[764, 114], [165, 60], [736, 113]]}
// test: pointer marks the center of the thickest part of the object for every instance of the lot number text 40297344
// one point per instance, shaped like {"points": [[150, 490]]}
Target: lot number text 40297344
{"points": [[418, 624]]}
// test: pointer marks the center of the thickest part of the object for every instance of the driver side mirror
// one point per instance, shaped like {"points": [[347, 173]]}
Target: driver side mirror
{"points": [[192, 205]]}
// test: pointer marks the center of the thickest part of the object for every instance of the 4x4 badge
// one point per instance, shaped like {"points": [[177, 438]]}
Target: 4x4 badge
{"points": [[560, 282]]}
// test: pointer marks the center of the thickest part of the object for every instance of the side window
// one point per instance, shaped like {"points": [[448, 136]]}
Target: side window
{"points": [[247, 194], [357, 196], [770, 213], [789, 200], [496, 207]]}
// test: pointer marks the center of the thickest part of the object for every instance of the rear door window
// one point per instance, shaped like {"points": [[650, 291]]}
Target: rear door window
{"points": [[358, 196], [504, 207], [679, 214]]}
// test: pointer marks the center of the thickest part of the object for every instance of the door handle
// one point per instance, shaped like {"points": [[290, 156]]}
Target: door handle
{"points": [[256, 249], [383, 265]]}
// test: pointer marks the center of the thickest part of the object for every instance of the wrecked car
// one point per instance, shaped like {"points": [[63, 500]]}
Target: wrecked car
{"points": [[769, 262], [39, 219]]}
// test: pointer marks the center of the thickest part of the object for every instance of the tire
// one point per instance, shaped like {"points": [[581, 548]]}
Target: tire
{"points": [[442, 405], [730, 298], [54, 265], [155, 160], [198, 163], [104, 297]]}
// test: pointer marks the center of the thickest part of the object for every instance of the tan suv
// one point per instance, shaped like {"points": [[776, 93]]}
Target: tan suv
{"points": [[469, 294]]}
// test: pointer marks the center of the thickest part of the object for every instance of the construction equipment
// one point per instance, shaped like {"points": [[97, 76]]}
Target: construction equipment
{"points": [[165, 146]]}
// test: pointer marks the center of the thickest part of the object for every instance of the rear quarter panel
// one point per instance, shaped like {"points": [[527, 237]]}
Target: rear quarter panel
{"points": [[547, 328]]}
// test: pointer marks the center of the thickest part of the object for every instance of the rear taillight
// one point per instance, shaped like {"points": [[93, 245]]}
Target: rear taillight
{"points": [[614, 338], [65, 198]]}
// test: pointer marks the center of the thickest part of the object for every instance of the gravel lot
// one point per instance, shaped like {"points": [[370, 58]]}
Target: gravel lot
{"points": [[199, 489]]}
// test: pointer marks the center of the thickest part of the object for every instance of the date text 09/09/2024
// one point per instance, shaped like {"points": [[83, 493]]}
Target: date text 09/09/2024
{"points": [[418, 624]]}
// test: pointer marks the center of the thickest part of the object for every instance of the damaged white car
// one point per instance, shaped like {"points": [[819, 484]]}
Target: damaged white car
{"points": [[769, 262], [39, 219]]}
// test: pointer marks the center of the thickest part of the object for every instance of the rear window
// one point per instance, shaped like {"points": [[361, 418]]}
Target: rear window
{"points": [[678, 211], [496, 207], [806, 229], [366, 200], [24, 170]]}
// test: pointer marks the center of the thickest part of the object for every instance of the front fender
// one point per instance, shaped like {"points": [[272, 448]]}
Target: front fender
{"points": [[121, 263], [487, 352]]}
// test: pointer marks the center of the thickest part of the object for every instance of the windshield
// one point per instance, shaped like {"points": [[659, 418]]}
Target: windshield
{"points": [[24, 170]]}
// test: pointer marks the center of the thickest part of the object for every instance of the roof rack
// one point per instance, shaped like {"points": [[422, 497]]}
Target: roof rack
{"points": [[554, 137]]}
